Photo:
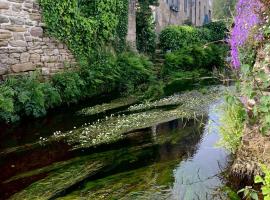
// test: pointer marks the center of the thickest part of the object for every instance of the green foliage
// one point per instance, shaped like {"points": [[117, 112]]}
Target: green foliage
{"points": [[223, 9], [6, 103], [177, 37], [145, 27], [232, 126], [218, 30], [69, 85], [85, 25], [195, 57], [249, 193], [136, 71], [265, 181]]}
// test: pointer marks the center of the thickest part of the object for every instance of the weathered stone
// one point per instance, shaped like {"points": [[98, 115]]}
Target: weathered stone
{"points": [[5, 35], [17, 1], [28, 39], [15, 28], [25, 57], [45, 71], [18, 43], [23, 67], [4, 5], [17, 21], [16, 7], [3, 43], [3, 19], [15, 55], [35, 58], [35, 16], [18, 36], [3, 71]]}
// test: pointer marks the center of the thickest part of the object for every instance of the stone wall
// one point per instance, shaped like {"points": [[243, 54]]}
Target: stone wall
{"points": [[23, 45], [177, 12], [131, 35]]}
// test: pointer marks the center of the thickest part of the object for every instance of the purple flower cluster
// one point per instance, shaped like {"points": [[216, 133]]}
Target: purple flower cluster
{"points": [[247, 17]]}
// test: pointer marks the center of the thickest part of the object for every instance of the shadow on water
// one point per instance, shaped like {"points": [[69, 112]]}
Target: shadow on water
{"points": [[172, 160]]}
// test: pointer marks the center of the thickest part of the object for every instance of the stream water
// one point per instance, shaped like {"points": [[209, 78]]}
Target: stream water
{"points": [[166, 158]]}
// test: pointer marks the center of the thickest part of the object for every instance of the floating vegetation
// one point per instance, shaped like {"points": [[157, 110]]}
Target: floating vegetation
{"points": [[117, 103], [191, 105]]}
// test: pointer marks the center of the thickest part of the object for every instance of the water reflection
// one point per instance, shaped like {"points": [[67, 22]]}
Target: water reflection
{"points": [[197, 177]]}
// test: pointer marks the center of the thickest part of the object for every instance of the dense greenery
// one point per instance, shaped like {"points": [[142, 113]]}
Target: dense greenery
{"points": [[29, 96], [86, 25], [176, 37], [145, 27], [195, 56], [223, 9]]}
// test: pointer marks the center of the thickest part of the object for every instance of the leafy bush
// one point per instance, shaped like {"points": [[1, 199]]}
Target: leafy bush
{"points": [[194, 57], [7, 103], [135, 71], [69, 85], [177, 37], [218, 30], [265, 181], [232, 124]]}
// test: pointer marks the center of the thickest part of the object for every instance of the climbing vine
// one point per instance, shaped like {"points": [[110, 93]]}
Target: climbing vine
{"points": [[86, 25], [146, 36]]}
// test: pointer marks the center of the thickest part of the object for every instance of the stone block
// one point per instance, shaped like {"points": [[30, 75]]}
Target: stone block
{"points": [[23, 67], [3, 43], [4, 5], [35, 58], [18, 43], [24, 57], [36, 32], [18, 36], [3, 71], [35, 17], [3, 19], [15, 28], [16, 7], [15, 55], [5, 35], [45, 71], [16, 20]]}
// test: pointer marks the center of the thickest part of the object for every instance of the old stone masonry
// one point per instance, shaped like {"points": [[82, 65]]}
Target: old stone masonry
{"points": [[23, 46]]}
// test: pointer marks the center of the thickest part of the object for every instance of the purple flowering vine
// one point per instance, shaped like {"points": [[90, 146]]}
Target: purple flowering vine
{"points": [[247, 17]]}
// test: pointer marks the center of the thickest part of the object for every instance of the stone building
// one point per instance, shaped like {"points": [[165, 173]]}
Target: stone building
{"points": [[178, 12], [23, 46]]}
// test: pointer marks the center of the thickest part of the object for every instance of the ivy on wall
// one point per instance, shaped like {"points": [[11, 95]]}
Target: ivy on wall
{"points": [[146, 35], [86, 25]]}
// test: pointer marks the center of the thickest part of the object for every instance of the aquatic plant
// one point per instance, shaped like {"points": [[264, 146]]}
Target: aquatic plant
{"points": [[247, 17]]}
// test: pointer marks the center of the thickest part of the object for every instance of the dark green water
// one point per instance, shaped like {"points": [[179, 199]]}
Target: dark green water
{"points": [[170, 159]]}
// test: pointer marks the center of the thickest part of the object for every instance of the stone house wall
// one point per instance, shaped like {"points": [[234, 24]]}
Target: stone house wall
{"points": [[131, 35], [177, 12], [23, 45]]}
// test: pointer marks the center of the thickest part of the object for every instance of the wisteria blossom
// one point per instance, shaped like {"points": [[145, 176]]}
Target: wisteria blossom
{"points": [[246, 19]]}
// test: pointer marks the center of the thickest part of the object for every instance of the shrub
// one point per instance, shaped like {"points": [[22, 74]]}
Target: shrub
{"points": [[177, 37], [135, 71], [194, 57], [218, 30], [102, 74], [232, 124], [69, 85], [7, 111]]}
